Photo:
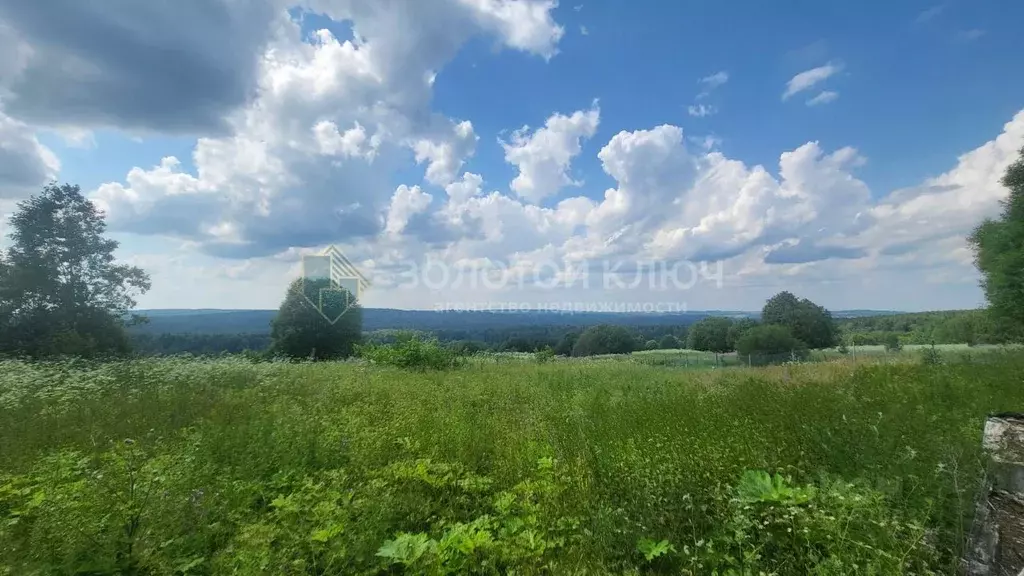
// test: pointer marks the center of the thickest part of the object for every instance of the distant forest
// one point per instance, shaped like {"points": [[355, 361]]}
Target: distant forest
{"points": [[211, 332]]}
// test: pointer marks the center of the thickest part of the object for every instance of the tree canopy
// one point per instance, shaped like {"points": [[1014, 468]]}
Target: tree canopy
{"points": [[711, 334], [811, 324], [668, 342], [769, 343], [61, 291], [604, 339], [316, 320], [998, 246]]}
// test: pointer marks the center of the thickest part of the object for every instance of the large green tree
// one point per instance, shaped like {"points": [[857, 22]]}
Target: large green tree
{"points": [[710, 334], [999, 254], [61, 291], [316, 320], [811, 324], [738, 328]]}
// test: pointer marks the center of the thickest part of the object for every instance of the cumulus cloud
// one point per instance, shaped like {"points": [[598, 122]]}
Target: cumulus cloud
{"points": [[309, 160], [543, 156], [809, 78], [25, 164], [810, 218], [303, 138], [405, 203], [948, 206], [446, 153]]}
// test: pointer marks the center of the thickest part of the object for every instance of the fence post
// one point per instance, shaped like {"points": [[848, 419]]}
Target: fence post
{"points": [[996, 543]]}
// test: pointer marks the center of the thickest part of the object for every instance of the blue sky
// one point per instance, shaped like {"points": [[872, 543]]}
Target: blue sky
{"points": [[301, 141], [914, 91]]}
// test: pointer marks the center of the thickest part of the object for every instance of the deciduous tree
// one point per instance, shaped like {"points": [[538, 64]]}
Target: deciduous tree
{"points": [[316, 321], [999, 255], [710, 334], [811, 324], [61, 291]]}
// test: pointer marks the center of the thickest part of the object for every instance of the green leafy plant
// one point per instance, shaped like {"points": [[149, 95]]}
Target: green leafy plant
{"points": [[411, 351], [653, 549]]}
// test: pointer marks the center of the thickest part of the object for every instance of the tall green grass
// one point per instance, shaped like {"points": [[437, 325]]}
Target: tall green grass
{"points": [[178, 466]]}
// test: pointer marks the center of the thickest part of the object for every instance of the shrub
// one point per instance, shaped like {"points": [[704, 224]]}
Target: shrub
{"points": [[930, 356], [411, 351], [892, 342], [770, 344], [544, 355]]}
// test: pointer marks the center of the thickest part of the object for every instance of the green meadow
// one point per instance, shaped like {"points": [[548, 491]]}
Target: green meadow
{"points": [[185, 466]]}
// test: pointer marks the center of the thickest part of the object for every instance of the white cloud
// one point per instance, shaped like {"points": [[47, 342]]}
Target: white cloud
{"points": [[808, 225], [446, 155], [948, 206], [309, 156], [809, 78], [714, 81], [709, 83], [543, 157], [823, 97], [701, 110], [353, 143], [521, 24], [405, 203], [309, 161]]}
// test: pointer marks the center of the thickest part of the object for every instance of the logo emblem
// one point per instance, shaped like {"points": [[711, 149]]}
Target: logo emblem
{"points": [[331, 283]]}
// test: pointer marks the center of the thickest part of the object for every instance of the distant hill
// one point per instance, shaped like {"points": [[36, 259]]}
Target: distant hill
{"points": [[219, 321]]}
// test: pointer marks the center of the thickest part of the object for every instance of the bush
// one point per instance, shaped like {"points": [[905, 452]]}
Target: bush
{"points": [[544, 355], [892, 342], [770, 344], [411, 352], [930, 356]]}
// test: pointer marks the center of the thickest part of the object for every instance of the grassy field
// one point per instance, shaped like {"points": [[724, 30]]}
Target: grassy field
{"points": [[683, 358], [171, 466]]}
